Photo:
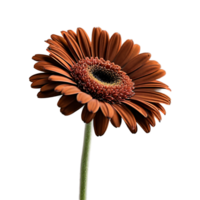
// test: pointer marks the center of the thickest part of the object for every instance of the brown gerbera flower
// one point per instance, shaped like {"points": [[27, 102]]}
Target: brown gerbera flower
{"points": [[109, 80]]}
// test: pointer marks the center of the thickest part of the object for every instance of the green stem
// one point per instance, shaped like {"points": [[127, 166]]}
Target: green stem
{"points": [[84, 161]]}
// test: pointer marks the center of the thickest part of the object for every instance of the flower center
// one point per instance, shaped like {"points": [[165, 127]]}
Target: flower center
{"points": [[103, 80], [103, 76]]}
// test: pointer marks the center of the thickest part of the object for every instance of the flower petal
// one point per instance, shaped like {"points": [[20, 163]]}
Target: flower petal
{"points": [[124, 53], [39, 76], [86, 115], [134, 131], [136, 107], [103, 42], [83, 98], [63, 62], [40, 65], [57, 78], [61, 87], [152, 96], [61, 55], [64, 101], [73, 46], [39, 83], [160, 107], [107, 109], [41, 57], [64, 42], [59, 40], [68, 89], [47, 94], [49, 86], [116, 119], [73, 35], [148, 106], [100, 123], [152, 84], [57, 47], [93, 105], [55, 69], [84, 42], [136, 62], [71, 108], [144, 125], [127, 116], [113, 47], [151, 66], [151, 77], [95, 42]]}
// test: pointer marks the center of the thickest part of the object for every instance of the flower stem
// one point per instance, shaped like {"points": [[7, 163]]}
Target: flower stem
{"points": [[84, 161]]}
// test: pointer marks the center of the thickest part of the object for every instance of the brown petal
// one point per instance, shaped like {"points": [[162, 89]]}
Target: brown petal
{"points": [[127, 116], [136, 62], [84, 42], [136, 107], [83, 98], [152, 84], [64, 42], [61, 47], [107, 109], [62, 61], [69, 90], [148, 106], [61, 41], [86, 115], [158, 116], [135, 50], [61, 87], [145, 70], [73, 46], [61, 55], [151, 119], [160, 107], [57, 78], [142, 90], [100, 123], [93, 105], [49, 86], [41, 57], [39, 76], [144, 125], [39, 83], [152, 96], [134, 131], [73, 35], [103, 42], [40, 65], [116, 119], [95, 42], [56, 70], [64, 101], [47, 94], [124, 53], [71, 108], [113, 47], [151, 77]]}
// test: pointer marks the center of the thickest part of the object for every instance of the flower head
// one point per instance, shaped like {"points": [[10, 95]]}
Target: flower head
{"points": [[109, 80]]}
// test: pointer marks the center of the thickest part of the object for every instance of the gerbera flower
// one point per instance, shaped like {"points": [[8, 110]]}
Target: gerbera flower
{"points": [[109, 80]]}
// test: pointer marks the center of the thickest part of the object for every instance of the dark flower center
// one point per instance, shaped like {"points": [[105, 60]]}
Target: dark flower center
{"points": [[106, 76], [103, 76], [103, 80]]}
